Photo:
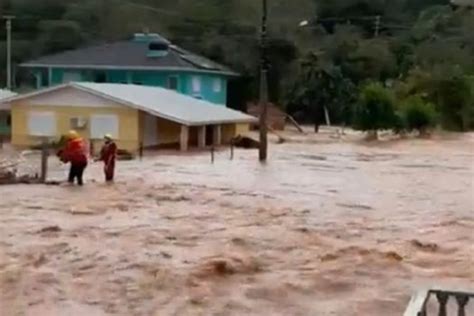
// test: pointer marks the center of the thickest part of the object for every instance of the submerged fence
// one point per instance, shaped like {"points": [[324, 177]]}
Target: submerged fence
{"points": [[418, 305]]}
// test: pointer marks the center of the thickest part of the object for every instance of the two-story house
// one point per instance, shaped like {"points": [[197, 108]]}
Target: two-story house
{"points": [[146, 59]]}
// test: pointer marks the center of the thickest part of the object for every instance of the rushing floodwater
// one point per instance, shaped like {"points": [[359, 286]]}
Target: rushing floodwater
{"points": [[322, 229]]}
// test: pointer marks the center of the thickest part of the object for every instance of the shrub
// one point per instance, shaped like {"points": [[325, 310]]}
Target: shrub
{"points": [[453, 100], [449, 89], [418, 114], [375, 109]]}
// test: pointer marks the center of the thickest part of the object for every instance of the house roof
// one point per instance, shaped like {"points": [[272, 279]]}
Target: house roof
{"points": [[130, 54], [6, 94], [161, 102]]}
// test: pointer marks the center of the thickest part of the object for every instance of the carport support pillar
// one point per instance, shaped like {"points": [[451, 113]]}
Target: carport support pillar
{"points": [[201, 136], [184, 138], [217, 135]]}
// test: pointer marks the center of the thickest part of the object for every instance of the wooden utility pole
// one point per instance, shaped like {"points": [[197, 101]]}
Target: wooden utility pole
{"points": [[44, 160], [263, 149], [377, 25], [9, 19]]}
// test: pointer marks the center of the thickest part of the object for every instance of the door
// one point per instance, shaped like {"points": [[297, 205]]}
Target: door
{"points": [[150, 137], [209, 135]]}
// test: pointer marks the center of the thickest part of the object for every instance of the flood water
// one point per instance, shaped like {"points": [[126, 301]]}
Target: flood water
{"points": [[324, 228]]}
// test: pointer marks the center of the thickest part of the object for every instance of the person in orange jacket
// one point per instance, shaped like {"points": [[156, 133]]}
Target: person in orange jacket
{"points": [[74, 152], [108, 154]]}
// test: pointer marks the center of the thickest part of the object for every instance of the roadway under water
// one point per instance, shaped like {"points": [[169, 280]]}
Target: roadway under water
{"points": [[329, 228]]}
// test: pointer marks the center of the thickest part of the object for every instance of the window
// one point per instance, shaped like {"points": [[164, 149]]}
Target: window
{"points": [[101, 124], [217, 85], [173, 83], [41, 124], [77, 123], [100, 77], [44, 78], [196, 84], [70, 76]]}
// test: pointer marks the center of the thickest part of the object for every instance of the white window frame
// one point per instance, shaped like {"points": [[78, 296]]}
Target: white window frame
{"points": [[217, 85], [76, 76], [196, 84], [42, 124], [101, 124]]}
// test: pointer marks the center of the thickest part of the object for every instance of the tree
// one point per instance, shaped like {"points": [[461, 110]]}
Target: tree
{"points": [[322, 87], [374, 110], [373, 60], [429, 37], [417, 114], [454, 97], [449, 89], [59, 36]]}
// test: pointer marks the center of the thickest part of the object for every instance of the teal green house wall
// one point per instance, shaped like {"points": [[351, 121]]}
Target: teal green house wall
{"points": [[144, 59], [5, 127], [207, 86], [5, 117]]}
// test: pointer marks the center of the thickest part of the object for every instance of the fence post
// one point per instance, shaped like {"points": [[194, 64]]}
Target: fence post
{"points": [[232, 149], [443, 301], [44, 160], [212, 154], [91, 148], [1, 141], [462, 301]]}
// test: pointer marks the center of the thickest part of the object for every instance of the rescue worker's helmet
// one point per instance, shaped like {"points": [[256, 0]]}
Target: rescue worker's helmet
{"points": [[108, 137], [72, 135]]}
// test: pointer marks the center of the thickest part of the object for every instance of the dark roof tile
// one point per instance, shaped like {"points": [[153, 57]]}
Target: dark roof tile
{"points": [[128, 54]]}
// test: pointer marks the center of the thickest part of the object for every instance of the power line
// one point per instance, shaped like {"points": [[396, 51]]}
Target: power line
{"points": [[151, 8], [173, 13]]}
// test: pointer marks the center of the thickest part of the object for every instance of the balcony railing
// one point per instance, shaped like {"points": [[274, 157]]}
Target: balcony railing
{"points": [[419, 302]]}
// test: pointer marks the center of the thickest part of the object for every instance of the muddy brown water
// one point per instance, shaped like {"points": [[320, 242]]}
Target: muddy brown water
{"points": [[335, 228]]}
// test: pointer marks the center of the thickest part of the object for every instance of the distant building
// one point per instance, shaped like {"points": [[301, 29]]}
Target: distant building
{"points": [[146, 59], [5, 118], [135, 115]]}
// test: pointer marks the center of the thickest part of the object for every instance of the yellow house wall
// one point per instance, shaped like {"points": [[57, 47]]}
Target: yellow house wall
{"points": [[141, 126], [129, 128], [241, 128], [168, 132], [230, 131]]}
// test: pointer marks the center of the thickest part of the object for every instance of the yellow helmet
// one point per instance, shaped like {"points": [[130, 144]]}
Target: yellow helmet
{"points": [[108, 136], [72, 134]]}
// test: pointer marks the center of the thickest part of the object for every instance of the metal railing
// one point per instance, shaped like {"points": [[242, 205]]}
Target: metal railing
{"points": [[419, 302]]}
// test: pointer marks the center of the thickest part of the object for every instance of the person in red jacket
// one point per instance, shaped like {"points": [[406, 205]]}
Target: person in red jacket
{"points": [[108, 154], [74, 152]]}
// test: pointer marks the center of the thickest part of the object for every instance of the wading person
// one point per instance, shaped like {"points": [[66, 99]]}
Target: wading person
{"points": [[74, 152], [108, 154]]}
